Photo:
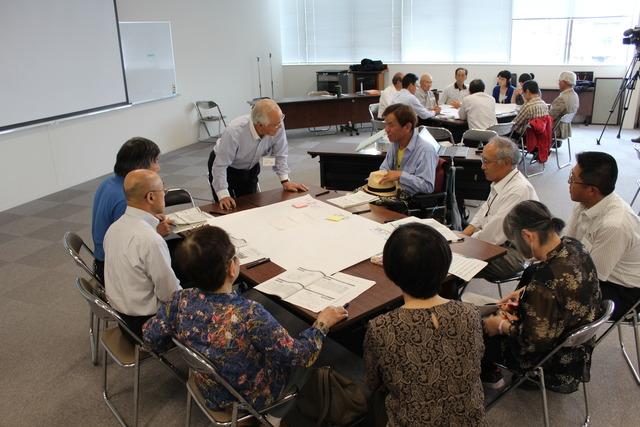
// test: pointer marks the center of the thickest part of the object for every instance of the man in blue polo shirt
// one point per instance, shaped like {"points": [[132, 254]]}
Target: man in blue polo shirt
{"points": [[110, 203]]}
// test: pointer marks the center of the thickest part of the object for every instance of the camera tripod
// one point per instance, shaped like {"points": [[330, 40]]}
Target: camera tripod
{"points": [[623, 98]]}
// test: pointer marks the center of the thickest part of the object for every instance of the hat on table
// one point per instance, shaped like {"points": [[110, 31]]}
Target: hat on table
{"points": [[387, 189]]}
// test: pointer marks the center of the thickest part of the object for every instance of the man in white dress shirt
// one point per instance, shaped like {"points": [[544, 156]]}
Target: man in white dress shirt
{"points": [[508, 188], [389, 93], [454, 93], [138, 274], [607, 227], [479, 108], [424, 93], [407, 96]]}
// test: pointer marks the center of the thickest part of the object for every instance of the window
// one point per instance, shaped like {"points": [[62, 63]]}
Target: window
{"points": [[456, 31]]}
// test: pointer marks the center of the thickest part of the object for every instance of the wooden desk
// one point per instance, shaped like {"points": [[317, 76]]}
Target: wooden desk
{"points": [[316, 111], [384, 294], [343, 168]]}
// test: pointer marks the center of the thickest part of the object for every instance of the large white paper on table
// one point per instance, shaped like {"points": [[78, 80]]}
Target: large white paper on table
{"points": [[353, 199], [314, 290], [188, 219], [442, 229], [506, 109], [464, 267], [305, 237]]}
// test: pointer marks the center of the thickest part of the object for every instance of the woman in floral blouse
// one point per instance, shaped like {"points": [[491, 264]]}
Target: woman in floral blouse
{"points": [[249, 348], [554, 297]]}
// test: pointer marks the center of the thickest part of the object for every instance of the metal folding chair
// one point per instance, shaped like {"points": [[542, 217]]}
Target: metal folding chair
{"points": [[441, 134], [376, 123], [523, 151], [566, 119], [241, 410], [178, 196], [536, 374], [209, 112], [502, 129], [477, 135]]}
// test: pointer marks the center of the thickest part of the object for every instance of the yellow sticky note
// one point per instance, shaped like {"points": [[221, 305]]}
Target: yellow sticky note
{"points": [[335, 218]]}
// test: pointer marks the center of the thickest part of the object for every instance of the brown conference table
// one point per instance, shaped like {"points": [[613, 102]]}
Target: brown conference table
{"points": [[384, 294]]}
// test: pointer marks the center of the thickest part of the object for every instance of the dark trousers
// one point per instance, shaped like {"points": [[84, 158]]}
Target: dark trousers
{"points": [[134, 323], [98, 267], [624, 298], [241, 181]]}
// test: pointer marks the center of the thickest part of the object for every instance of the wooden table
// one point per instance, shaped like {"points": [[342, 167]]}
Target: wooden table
{"points": [[316, 111], [384, 294], [457, 127], [344, 168]]}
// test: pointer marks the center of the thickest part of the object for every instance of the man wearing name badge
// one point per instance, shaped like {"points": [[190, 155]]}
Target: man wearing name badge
{"points": [[407, 96], [246, 143], [424, 93], [508, 188], [411, 160], [389, 93]]}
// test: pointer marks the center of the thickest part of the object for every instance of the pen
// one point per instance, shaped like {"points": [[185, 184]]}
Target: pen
{"points": [[257, 262], [361, 212], [322, 193], [345, 306]]}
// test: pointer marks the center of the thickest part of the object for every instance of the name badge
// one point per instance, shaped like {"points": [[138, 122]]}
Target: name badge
{"points": [[268, 161]]}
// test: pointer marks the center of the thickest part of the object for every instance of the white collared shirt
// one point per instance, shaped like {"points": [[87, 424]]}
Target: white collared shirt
{"points": [[479, 110], [504, 195], [610, 232], [407, 98], [386, 99], [451, 92], [137, 264]]}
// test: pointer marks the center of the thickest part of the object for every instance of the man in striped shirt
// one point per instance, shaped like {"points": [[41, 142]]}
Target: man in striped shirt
{"points": [[533, 107]]}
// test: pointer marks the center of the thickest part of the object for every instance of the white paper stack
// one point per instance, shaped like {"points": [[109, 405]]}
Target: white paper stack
{"points": [[353, 199], [188, 219]]}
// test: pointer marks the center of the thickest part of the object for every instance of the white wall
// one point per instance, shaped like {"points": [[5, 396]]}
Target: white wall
{"points": [[215, 46], [300, 79]]}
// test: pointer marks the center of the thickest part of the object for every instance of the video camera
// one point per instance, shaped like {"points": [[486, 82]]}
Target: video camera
{"points": [[632, 36]]}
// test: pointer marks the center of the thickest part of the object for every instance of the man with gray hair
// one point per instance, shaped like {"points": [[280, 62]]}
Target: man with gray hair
{"points": [[567, 102], [508, 188], [248, 141]]}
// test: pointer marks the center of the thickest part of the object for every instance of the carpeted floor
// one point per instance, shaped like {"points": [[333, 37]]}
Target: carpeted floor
{"points": [[46, 375]]}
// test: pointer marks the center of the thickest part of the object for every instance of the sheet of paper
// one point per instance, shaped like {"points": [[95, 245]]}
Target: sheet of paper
{"points": [[465, 268], [440, 228], [505, 109], [188, 219], [353, 199], [447, 111]]}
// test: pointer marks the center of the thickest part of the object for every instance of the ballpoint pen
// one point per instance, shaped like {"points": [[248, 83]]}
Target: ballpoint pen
{"points": [[322, 193], [256, 263]]}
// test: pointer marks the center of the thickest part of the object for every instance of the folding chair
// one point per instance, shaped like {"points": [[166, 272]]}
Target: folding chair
{"points": [[536, 374], [76, 246], [441, 134], [178, 196], [502, 129], [432, 205], [376, 123], [241, 409], [523, 151], [209, 112], [477, 136], [566, 119], [630, 316], [120, 349]]}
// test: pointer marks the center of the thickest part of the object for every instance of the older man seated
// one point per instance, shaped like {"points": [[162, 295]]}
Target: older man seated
{"points": [[407, 96], [508, 188], [567, 102]]}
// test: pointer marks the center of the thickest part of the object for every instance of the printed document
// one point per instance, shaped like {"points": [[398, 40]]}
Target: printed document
{"points": [[188, 219], [354, 199], [464, 267], [314, 290]]}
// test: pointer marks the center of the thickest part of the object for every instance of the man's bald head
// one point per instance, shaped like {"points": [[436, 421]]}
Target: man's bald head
{"points": [[426, 81], [264, 110], [138, 183]]}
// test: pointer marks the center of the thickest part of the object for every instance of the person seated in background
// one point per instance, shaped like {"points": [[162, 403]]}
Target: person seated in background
{"points": [[138, 274], [508, 188], [453, 94], [425, 95], [407, 96], [245, 143], [556, 295], [608, 228], [109, 202], [478, 108], [426, 354], [411, 160], [533, 107], [503, 91], [517, 97], [248, 346], [389, 93], [567, 102]]}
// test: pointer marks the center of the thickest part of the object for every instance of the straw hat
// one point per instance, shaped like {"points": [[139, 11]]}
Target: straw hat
{"points": [[387, 189]]}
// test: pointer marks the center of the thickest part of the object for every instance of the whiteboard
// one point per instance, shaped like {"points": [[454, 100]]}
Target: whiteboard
{"points": [[605, 94], [149, 67]]}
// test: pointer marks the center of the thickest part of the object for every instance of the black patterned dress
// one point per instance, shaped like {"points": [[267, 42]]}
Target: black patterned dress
{"points": [[428, 360], [561, 294]]}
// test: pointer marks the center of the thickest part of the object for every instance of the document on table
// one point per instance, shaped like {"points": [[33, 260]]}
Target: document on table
{"points": [[314, 290], [464, 267], [442, 229], [188, 219], [245, 252], [353, 199]]}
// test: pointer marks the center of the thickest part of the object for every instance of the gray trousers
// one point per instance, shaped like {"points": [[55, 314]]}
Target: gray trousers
{"points": [[504, 267]]}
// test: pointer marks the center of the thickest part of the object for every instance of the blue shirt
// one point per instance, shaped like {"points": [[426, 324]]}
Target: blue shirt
{"points": [[407, 98], [418, 165], [109, 204], [241, 147], [508, 95]]}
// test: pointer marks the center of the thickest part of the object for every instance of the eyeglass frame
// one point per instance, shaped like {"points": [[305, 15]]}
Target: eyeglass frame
{"points": [[571, 180]]}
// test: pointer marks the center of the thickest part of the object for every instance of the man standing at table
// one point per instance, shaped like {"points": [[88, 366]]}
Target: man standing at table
{"points": [[389, 93], [508, 188], [607, 227], [411, 161], [479, 108], [247, 142], [424, 93], [567, 102], [453, 94], [407, 96]]}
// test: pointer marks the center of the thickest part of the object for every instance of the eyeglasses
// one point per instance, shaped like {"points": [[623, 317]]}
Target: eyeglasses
{"points": [[164, 190], [277, 125], [572, 180], [484, 160]]}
